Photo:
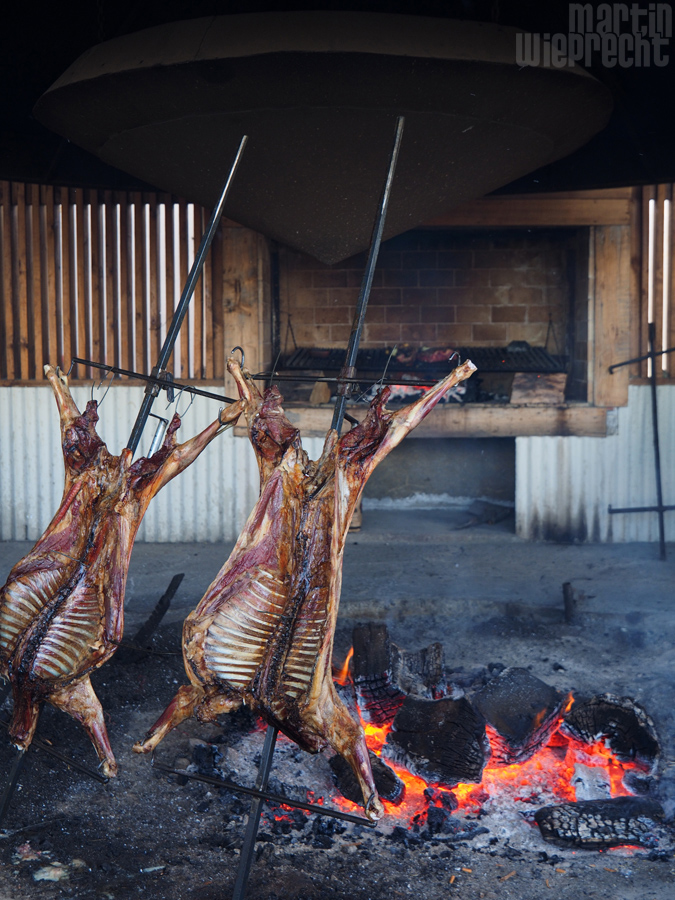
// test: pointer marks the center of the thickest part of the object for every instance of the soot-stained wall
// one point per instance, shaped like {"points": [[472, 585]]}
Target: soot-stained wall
{"points": [[457, 467]]}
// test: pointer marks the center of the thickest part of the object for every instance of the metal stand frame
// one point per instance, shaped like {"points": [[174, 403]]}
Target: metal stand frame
{"points": [[347, 377], [659, 508]]}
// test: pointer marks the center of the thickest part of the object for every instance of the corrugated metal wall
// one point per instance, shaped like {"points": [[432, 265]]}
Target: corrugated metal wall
{"points": [[210, 501], [565, 484]]}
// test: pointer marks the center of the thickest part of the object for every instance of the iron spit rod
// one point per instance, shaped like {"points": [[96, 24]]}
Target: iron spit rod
{"points": [[657, 450], [348, 370], [639, 509], [266, 795], [184, 302], [248, 847], [638, 359], [162, 383]]}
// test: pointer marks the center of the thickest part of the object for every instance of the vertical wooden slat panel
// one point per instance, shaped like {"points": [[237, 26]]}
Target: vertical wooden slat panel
{"points": [[165, 276], [136, 271], [154, 341], [214, 300], [75, 275], [181, 263], [33, 279], [62, 261], [94, 275], [113, 323], [6, 313], [48, 265], [124, 283], [19, 286], [197, 361]]}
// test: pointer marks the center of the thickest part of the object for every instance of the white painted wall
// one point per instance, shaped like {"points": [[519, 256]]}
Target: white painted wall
{"points": [[564, 485]]}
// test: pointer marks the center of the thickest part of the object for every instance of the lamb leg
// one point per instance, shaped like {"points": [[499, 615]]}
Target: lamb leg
{"points": [[331, 719], [190, 700], [79, 701]]}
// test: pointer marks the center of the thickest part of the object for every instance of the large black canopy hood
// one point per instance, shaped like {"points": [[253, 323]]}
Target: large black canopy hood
{"points": [[318, 93]]}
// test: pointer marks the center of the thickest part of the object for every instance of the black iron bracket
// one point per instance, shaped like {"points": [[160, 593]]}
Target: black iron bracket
{"points": [[660, 508]]}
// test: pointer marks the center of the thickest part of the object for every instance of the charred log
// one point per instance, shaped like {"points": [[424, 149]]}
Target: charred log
{"points": [[441, 741], [601, 823], [389, 785], [621, 722], [522, 712], [384, 673], [379, 699]]}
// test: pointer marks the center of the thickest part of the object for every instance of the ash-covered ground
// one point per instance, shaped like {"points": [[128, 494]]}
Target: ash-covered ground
{"points": [[489, 597]]}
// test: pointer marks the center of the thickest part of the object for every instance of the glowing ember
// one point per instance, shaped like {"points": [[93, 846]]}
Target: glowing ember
{"points": [[545, 778]]}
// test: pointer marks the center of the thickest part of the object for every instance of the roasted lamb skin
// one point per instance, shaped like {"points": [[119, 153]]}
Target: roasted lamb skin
{"points": [[61, 609], [263, 633]]}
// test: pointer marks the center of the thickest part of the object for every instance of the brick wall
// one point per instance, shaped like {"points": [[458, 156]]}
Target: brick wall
{"points": [[438, 287]]}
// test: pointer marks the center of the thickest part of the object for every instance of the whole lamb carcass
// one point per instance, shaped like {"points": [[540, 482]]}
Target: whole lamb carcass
{"points": [[263, 632], [62, 607]]}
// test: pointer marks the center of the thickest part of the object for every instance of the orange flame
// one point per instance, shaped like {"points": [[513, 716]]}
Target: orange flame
{"points": [[343, 675]]}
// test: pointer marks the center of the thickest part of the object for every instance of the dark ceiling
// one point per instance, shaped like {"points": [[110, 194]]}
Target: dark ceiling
{"points": [[40, 41]]}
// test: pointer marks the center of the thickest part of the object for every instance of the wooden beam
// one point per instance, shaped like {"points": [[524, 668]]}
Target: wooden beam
{"points": [[575, 208], [472, 420], [611, 315]]}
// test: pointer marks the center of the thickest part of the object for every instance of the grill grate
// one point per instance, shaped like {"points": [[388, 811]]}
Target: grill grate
{"points": [[516, 358]]}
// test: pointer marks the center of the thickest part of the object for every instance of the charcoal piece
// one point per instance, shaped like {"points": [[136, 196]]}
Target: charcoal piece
{"points": [[437, 819], [522, 711], [601, 823], [379, 699], [446, 799], [389, 785], [441, 741], [621, 722]]}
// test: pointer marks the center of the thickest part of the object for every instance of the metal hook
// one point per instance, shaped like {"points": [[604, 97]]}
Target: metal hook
{"points": [[109, 374], [177, 401], [240, 349], [453, 355]]}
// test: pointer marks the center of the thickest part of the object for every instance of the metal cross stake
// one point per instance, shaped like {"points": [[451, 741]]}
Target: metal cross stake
{"points": [[344, 382], [659, 508]]}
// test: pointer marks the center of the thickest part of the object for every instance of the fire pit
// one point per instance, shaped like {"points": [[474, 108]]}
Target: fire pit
{"points": [[490, 600]]}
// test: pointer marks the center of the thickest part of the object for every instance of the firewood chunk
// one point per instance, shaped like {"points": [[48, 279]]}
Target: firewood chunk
{"points": [[522, 712], [389, 785], [621, 722], [441, 741], [602, 823]]}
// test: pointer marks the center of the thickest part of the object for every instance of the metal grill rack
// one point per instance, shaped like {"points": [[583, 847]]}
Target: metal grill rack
{"points": [[517, 357]]}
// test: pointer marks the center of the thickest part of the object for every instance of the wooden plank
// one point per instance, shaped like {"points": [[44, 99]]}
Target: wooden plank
{"points": [[77, 299], [472, 420], [95, 280], [19, 281], [165, 278], [580, 209], [6, 312], [153, 300], [611, 315], [111, 319], [181, 271], [636, 282], [125, 282], [198, 330], [137, 272], [240, 299], [213, 295], [63, 279], [48, 253], [33, 278], [538, 388]]}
